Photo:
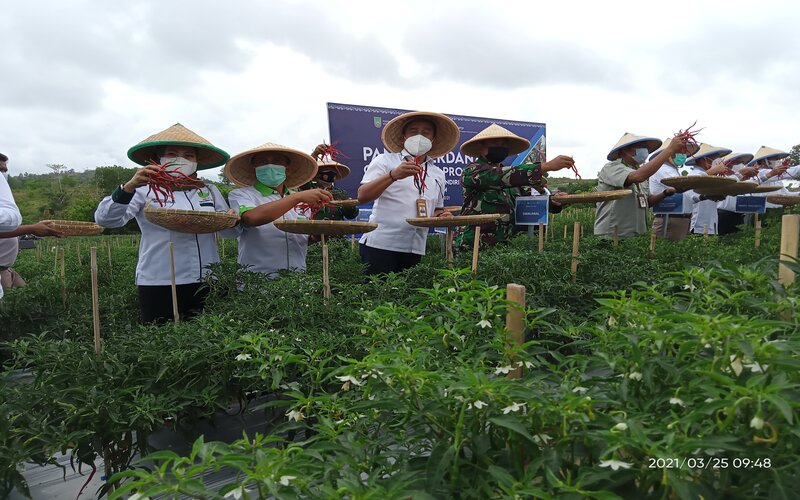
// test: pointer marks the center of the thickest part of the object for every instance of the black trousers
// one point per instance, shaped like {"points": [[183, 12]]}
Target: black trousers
{"points": [[155, 302], [728, 221], [386, 261]]}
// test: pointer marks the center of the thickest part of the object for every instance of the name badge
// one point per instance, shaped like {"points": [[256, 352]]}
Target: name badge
{"points": [[422, 207], [642, 200]]}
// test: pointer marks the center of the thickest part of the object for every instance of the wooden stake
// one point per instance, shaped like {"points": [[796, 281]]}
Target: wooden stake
{"points": [[110, 264], [576, 236], [63, 277], [326, 281], [353, 242], [80, 260], [175, 314], [581, 230], [652, 244], [449, 246], [95, 302], [515, 325], [758, 231], [565, 232], [55, 260], [705, 231], [475, 244], [541, 238], [222, 242], [616, 235], [790, 227]]}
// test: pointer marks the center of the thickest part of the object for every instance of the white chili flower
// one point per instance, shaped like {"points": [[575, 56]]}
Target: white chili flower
{"points": [[286, 479], [513, 407], [615, 464], [349, 379], [295, 415], [755, 367], [139, 496], [503, 369], [709, 400], [676, 401], [484, 323], [580, 390], [757, 423], [477, 404], [541, 439], [243, 357], [622, 426], [635, 376], [451, 290], [736, 365], [236, 494]]}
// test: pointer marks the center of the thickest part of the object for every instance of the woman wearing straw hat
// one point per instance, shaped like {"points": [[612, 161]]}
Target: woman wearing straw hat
{"points": [[707, 161], [327, 174], [678, 224], [268, 176], [186, 152], [773, 169], [405, 184], [627, 170], [491, 188], [727, 217]]}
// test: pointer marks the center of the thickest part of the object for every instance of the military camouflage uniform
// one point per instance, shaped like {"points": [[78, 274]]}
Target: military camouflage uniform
{"points": [[337, 213], [491, 188]]}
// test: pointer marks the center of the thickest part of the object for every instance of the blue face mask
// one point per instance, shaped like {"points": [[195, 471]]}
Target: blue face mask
{"points": [[679, 159], [271, 175], [640, 156]]}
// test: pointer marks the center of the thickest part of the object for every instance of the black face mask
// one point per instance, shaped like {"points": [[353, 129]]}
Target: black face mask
{"points": [[496, 154], [327, 176]]}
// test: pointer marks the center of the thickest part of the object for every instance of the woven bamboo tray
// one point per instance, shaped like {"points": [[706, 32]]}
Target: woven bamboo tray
{"points": [[783, 199], [456, 220], [696, 182], [594, 197], [190, 221], [734, 189], [344, 203], [767, 189], [74, 227], [326, 227]]}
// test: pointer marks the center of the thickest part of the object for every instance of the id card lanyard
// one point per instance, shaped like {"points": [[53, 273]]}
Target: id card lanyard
{"points": [[640, 197], [419, 183]]}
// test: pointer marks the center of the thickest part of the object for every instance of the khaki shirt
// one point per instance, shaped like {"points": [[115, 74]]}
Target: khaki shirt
{"points": [[626, 213]]}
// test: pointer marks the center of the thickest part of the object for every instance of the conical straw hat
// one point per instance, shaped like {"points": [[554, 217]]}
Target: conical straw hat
{"points": [[445, 140], [342, 170], [516, 144], [736, 158], [629, 139], [708, 151], [208, 155], [301, 169], [665, 144], [767, 153]]}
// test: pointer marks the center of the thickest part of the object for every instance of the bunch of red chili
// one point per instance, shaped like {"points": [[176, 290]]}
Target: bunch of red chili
{"points": [[163, 182], [689, 135]]}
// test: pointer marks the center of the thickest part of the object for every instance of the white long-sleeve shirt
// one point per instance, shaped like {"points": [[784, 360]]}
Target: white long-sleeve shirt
{"points": [[792, 173], [664, 172], [10, 217], [193, 252], [267, 249], [704, 213]]}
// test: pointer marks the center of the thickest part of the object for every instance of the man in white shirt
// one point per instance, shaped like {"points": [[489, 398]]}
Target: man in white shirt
{"points": [[677, 223], [728, 219], [9, 242], [704, 212], [405, 184], [774, 168], [10, 217]]}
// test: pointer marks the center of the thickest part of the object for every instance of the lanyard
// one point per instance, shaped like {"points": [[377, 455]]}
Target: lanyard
{"points": [[419, 179]]}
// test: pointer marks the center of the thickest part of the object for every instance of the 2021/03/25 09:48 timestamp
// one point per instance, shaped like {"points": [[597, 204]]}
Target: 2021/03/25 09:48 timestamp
{"points": [[708, 463]]}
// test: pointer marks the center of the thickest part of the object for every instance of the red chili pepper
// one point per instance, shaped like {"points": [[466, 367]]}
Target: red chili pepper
{"points": [[332, 153], [163, 182], [689, 135], [302, 208]]}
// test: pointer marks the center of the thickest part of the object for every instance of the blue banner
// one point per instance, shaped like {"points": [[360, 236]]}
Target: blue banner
{"points": [[532, 210], [751, 204], [670, 205], [356, 132]]}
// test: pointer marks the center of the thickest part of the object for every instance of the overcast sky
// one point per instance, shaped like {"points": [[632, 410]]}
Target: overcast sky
{"points": [[85, 80]]}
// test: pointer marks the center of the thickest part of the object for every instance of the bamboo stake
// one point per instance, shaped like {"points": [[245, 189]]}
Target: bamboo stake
{"points": [[222, 242], [565, 232], [55, 260], [175, 314], [475, 245], [326, 280], [515, 326], [80, 260], [353, 242], [790, 227], [616, 235], [758, 232], [110, 264], [95, 302], [541, 237], [705, 231], [63, 277], [652, 244], [449, 246], [576, 236]]}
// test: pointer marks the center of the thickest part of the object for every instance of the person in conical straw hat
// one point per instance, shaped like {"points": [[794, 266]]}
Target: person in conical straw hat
{"points": [[328, 172], [728, 220], [181, 152], [269, 176], [678, 225], [707, 161], [774, 168], [491, 188], [403, 184], [628, 168]]}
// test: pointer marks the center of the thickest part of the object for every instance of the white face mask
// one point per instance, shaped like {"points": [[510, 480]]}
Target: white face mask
{"points": [[417, 145], [640, 156], [737, 167], [775, 163], [180, 164]]}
